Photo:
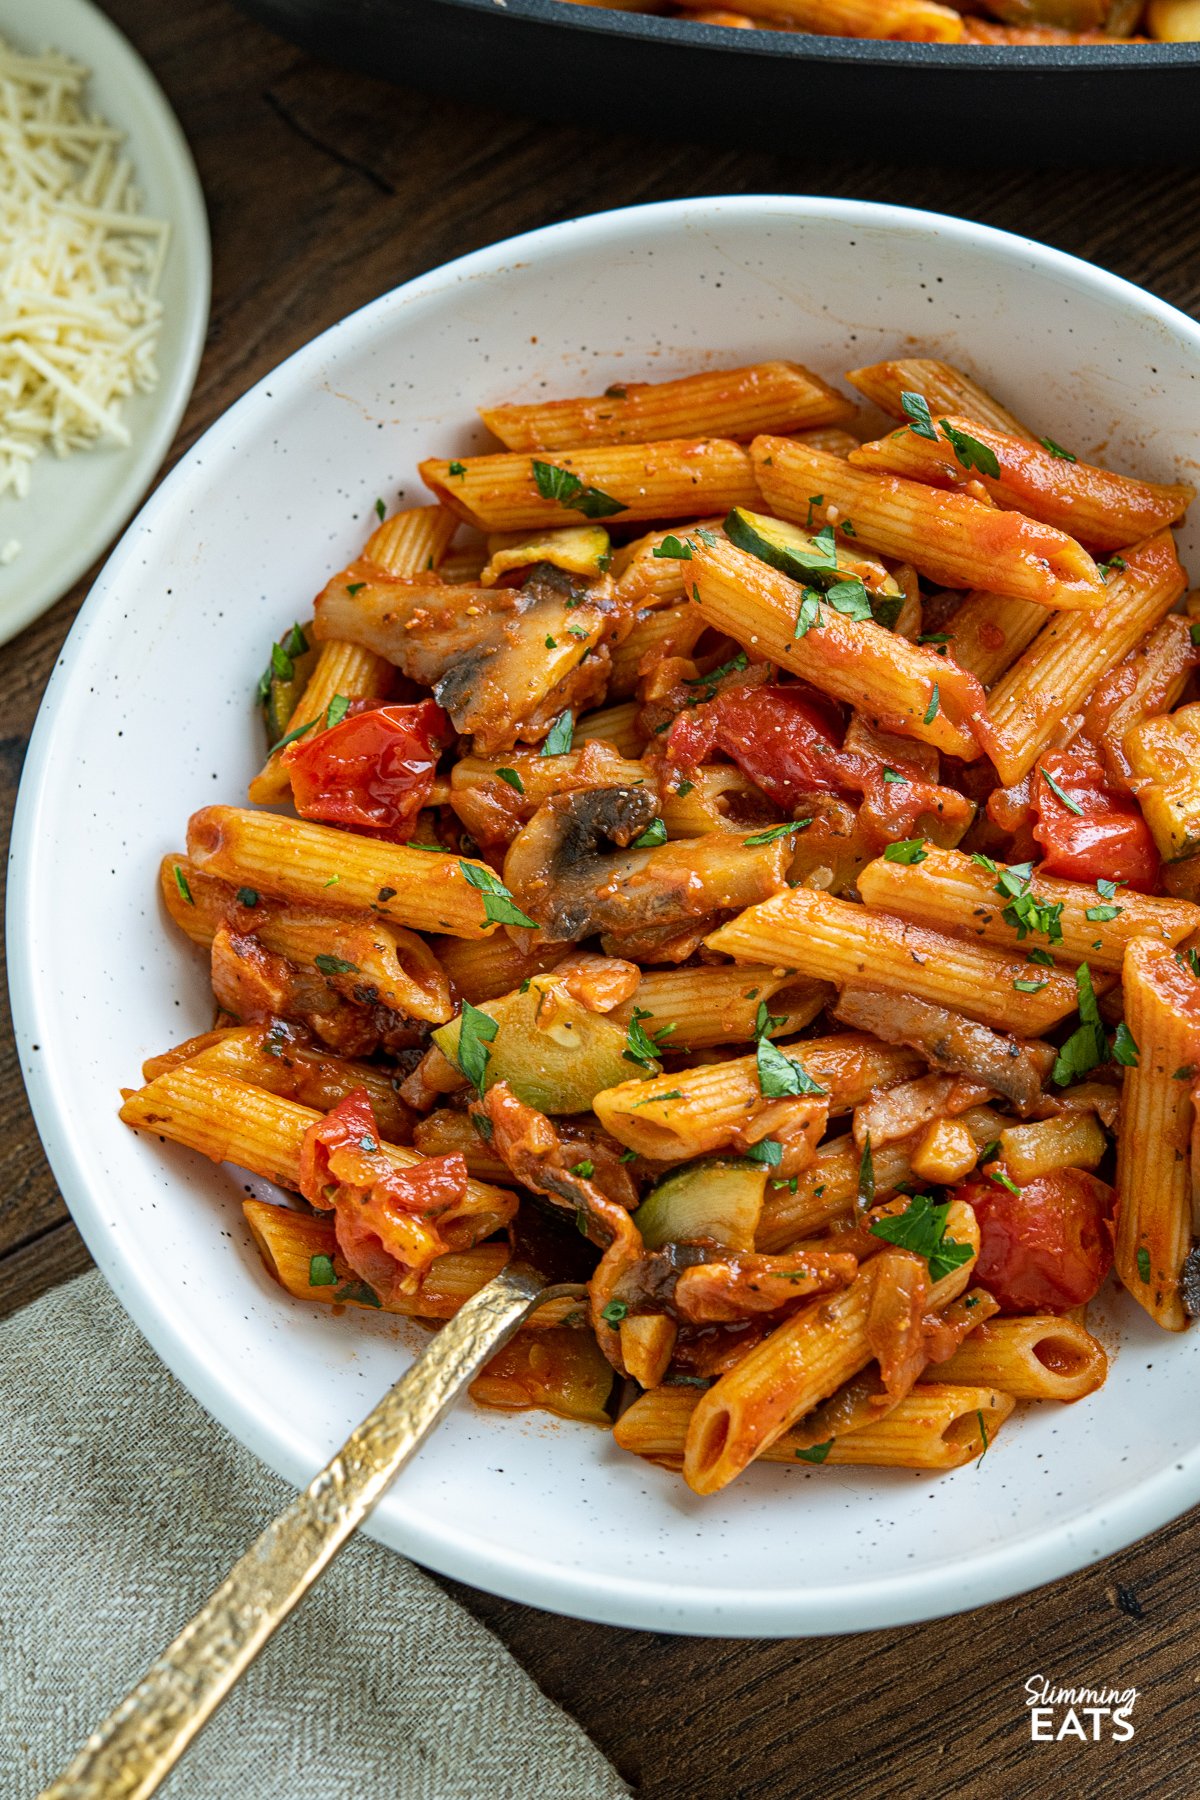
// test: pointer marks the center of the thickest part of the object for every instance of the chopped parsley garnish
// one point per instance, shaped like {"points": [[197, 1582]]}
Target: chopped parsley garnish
{"points": [[551, 643], [512, 778], [1071, 805], [985, 862], [808, 614], [813, 500], [921, 1228], [816, 1454], [983, 1434], [1003, 1179], [734, 666], [1025, 912], [335, 965], [886, 609], [931, 711], [916, 410], [558, 738], [483, 1127], [640, 1047], [247, 896], [767, 1150], [1029, 987], [1185, 1072], [823, 554], [654, 834], [614, 1312], [381, 510], [684, 788], [1100, 915], [1143, 1264], [907, 850], [321, 1272], [355, 587], [891, 775], [779, 1077], [555, 483], [1087, 1046], [181, 882], [1194, 632], [585, 1169], [1124, 1047], [849, 598], [499, 907], [457, 468], [775, 831], [476, 1030], [678, 548], [970, 452], [1107, 890], [291, 737], [940, 638], [336, 711], [1114, 562], [1049, 444], [651, 1099], [1042, 957]]}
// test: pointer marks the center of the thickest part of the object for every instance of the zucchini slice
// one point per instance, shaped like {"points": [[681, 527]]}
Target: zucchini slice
{"points": [[554, 1053], [794, 552], [716, 1200], [579, 549]]}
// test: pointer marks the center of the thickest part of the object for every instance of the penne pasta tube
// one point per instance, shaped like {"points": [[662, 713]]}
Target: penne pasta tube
{"points": [[919, 21], [937, 1426], [296, 860], [953, 892], [484, 968], [721, 403], [445, 1132], [695, 1111], [384, 965], [229, 1120], [950, 537], [836, 940], [944, 388], [654, 636], [288, 1240], [1154, 1197], [1097, 507], [405, 544], [1039, 1357], [495, 796], [799, 1364], [678, 479], [705, 1005], [314, 1078], [827, 1190], [717, 798], [615, 725], [1058, 672], [899, 686], [1147, 684], [987, 633]]}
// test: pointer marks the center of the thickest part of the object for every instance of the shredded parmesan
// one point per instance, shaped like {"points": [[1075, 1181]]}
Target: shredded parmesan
{"points": [[79, 271]]}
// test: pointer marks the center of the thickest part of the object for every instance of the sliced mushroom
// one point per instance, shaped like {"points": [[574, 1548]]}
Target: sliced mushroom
{"points": [[1010, 1066]]}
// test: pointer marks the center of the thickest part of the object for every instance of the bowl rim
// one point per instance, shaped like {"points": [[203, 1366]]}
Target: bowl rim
{"points": [[811, 47], [997, 1572]]}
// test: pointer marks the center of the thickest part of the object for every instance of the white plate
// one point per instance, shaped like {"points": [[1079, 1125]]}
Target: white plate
{"points": [[76, 506], [149, 715]]}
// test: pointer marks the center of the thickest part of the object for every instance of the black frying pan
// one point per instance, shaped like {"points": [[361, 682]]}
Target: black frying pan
{"points": [[1067, 104]]}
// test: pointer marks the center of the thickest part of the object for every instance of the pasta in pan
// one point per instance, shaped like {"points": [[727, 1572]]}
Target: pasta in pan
{"points": [[745, 857]]}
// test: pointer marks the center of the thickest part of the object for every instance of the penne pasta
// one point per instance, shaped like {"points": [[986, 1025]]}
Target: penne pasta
{"points": [[944, 388], [951, 537], [1154, 1190], [1040, 1357], [722, 403], [987, 633], [967, 896], [679, 479], [835, 940], [1060, 669], [706, 1005]]}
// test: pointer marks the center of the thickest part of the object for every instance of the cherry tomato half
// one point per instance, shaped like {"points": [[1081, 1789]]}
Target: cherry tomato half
{"points": [[1045, 1248], [373, 771], [1106, 840]]}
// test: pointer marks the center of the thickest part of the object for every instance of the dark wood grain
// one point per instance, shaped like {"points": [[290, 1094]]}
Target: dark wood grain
{"points": [[323, 190]]}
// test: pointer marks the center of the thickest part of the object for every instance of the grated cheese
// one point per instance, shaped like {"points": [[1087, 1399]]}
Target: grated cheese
{"points": [[79, 271]]}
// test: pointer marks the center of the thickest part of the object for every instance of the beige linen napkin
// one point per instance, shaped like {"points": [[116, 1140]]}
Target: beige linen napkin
{"points": [[122, 1505]]}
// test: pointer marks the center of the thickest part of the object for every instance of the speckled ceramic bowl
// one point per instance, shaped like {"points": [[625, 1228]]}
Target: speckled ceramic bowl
{"points": [[150, 715]]}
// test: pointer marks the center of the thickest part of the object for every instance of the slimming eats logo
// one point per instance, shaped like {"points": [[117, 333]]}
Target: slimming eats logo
{"points": [[1090, 1714]]}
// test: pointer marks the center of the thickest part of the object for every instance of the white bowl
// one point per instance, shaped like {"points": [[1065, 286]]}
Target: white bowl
{"points": [[149, 715]]}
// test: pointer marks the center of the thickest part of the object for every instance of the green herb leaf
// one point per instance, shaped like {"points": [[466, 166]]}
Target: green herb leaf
{"points": [[499, 907], [1049, 444], [849, 598], [1185, 1072], [181, 882], [1071, 805], [970, 452], [816, 1454], [1143, 1263], [652, 1099], [247, 896], [865, 1191], [654, 834], [475, 1032], [1114, 562], [558, 738], [640, 1048], [1087, 1046], [916, 410], [734, 666], [336, 711], [614, 1312], [779, 1077], [886, 609], [813, 500], [335, 965], [1042, 957], [585, 1169], [1124, 1047], [512, 778], [684, 788], [355, 587], [890, 775], [921, 1228], [983, 1434], [321, 1272], [1003, 1179], [555, 483], [907, 850], [1100, 915], [931, 711], [457, 468], [380, 511], [808, 614], [291, 737], [775, 831], [767, 1150], [1029, 987], [673, 547]]}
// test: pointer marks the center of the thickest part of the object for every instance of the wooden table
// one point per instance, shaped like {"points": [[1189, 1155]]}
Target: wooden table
{"points": [[324, 190]]}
